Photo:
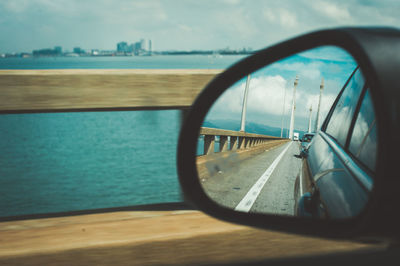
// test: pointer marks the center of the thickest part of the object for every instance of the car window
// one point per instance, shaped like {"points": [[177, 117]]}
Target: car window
{"points": [[340, 120], [363, 140]]}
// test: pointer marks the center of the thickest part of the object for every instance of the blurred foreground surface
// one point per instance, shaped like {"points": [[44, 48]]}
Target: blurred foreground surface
{"points": [[151, 238]]}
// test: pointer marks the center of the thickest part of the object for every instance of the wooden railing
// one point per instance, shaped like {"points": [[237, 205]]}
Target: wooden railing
{"points": [[72, 90]]}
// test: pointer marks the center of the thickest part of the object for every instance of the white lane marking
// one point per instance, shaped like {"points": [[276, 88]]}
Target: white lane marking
{"points": [[247, 202]]}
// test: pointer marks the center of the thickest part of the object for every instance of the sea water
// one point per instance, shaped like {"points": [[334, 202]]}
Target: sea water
{"points": [[77, 161]]}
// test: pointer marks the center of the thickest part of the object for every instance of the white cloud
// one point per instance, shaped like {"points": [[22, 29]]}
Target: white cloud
{"points": [[332, 10], [265, 96], [238, 22], [266, 101], [185, 28], [269, 15], [281, 16], [19, 6], [231, 2], [16, 6], [326, 103], [287, 18]]}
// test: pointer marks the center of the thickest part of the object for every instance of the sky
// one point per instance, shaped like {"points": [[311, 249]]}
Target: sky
{"points": [[26, 25], [267, 103]]}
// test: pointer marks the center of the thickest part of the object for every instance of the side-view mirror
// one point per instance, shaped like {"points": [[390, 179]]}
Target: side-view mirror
{"points": [[238, 153]]}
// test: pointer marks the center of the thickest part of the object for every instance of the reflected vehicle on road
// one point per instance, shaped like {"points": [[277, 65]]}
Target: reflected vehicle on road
{"points": [[296, 136], [338, 167], [307, 137], [305, 142]]}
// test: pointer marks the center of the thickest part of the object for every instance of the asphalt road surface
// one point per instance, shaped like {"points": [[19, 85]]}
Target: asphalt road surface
{"points": [[263, 183]]}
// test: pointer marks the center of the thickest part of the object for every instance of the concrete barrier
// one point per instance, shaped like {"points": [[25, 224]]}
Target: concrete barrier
{"points": [[237, 139]]}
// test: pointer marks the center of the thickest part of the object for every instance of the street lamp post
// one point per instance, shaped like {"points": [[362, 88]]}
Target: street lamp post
{"points": [[283, 111], [309, 120], [321, 88], [293, 108], [244, 106]]}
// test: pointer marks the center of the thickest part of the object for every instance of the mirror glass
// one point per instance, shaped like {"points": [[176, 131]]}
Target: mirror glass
{"points": [[261, 147]]}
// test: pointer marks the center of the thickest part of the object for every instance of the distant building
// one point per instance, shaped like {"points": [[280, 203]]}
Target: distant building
{"points": [[150, 48], [143, 45], [45, 52], [78, 50], [138, 48], [58, 50], [131, 48], [123, 47]]}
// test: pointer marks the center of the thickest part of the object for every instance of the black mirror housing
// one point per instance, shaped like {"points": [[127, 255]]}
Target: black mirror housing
{"points": [[376, 52]]}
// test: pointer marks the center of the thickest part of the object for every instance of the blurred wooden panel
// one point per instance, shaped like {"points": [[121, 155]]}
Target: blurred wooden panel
{"points": [[75, 90], [176, 237]]}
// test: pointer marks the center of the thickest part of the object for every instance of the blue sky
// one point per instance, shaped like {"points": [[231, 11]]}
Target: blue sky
{"points": [[267, 88], [178, 24]]}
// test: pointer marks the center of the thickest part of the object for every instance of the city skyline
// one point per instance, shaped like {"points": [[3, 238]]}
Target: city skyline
{"points": [[115, 48], [59, 49], [141, 47]]}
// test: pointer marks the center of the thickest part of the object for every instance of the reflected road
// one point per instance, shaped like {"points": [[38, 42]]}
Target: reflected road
{"points": [[263, 183]]}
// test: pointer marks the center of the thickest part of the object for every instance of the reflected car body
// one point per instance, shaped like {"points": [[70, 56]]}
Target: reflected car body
{"points": [[338, 166]]}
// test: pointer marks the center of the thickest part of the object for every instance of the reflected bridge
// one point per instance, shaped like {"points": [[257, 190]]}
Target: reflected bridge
{"points": [[250, 172]]}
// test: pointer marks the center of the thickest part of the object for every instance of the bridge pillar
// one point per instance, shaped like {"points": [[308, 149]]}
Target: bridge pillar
{"points": [[234, 142], [209, 142], [223, 143], [247, 142], [242, 142]]}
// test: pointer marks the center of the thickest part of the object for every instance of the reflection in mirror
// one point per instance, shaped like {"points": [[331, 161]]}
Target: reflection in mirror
{"points": [[261, 150]]}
